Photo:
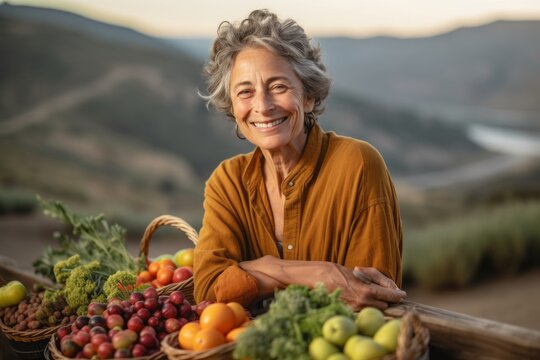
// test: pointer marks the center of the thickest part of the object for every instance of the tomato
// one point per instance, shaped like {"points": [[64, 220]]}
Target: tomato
{"points": [[12, 293]]}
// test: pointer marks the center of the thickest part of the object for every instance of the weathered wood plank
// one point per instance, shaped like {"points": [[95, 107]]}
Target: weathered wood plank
{"points": [[459, 336]]}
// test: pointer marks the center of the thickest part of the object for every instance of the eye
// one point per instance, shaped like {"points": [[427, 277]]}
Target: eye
{"points": [[244, 93], [279, 88]]}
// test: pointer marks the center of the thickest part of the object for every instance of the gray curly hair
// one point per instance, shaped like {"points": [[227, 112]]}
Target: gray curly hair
{"points": [[284, 38]]}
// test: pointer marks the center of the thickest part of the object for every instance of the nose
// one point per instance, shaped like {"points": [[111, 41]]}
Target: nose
{"points": [[263, 102]]}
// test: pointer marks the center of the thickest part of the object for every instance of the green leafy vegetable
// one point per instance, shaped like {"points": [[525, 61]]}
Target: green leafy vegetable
{"points": [[93, 238], [295, 317]]}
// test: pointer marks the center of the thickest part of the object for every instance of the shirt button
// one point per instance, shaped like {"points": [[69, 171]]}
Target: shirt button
{"points": [[291, 183], [289, 247]]}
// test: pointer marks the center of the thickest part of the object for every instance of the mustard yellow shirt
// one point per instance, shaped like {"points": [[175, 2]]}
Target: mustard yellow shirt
{"points": [[340, 206]]}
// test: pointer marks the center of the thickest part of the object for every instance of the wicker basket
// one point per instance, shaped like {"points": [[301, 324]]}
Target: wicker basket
{"points": [[169, 345], [413, 340], [52, 352], [185, 286], [28, 344]]}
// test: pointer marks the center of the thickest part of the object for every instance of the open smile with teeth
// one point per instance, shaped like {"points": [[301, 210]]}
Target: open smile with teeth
{"points": [[269, 124]]}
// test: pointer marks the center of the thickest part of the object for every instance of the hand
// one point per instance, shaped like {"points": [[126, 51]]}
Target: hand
{"points": [[363, 287]]}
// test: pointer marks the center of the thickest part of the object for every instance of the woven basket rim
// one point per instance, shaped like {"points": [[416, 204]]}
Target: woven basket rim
{"points": [[168, 346], [28, 335]]}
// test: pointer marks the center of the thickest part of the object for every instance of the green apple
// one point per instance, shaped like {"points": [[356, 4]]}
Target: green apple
{"points": [[338, 329], [163, 256], [12, 294], [337, 356], [360, 347], [321, 349], [387, 335], [369, 320]]}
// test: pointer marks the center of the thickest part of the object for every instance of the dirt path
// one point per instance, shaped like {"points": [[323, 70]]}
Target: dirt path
{"points": [[510, 300], [116, 76]]}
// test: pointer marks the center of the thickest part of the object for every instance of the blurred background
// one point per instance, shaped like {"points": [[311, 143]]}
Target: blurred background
{"points": [[99, 109]]}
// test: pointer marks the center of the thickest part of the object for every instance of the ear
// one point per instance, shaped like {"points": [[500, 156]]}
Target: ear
{"points": [[309, 104]]}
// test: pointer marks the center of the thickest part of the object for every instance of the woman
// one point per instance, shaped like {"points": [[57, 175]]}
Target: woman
{"points": [[305, 206]]}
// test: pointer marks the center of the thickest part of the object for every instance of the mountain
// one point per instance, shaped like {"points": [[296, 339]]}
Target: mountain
{"points": [[486, 67], [99, 120], [481, 73]]}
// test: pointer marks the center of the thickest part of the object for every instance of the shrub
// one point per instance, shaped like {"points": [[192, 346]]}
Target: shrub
{"points": [[490, 243]]}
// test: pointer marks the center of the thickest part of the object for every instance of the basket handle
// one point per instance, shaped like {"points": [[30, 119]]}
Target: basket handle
{"points": [[413, 337], [170, 220]]}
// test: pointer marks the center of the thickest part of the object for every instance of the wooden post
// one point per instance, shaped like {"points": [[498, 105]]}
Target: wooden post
{"points": [[459, 336]]}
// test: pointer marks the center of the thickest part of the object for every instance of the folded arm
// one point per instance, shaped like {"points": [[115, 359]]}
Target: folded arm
{"points": [[359, 287]]}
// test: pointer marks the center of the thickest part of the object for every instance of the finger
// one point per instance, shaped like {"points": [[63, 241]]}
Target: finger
{"points": [[377, 277], [385, 294], [358, 273]]}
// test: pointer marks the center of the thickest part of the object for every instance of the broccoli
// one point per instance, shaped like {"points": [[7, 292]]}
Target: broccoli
{"points": [[120, 284], [295, 317], [63, 268], [84, 285]]}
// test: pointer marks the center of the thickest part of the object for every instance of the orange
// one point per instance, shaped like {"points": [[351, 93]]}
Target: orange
{"points": [[145, 276], [233, 334], [165, 275], [218, 316], [167, 262], [153, 268], [239, 313], [187, 334], [207, 339]]}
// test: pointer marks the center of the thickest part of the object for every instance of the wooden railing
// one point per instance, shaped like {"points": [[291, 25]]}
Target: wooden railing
{"points": [[459, 336]]}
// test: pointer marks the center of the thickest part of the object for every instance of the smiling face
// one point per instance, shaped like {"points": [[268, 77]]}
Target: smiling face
{"points": [[268, 100]]}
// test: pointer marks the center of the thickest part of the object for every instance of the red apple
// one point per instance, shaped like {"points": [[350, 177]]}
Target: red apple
{"points": [[81, 338], [105, 350], [177, 297], [172, 325], [88, 351], [139, 350], [115, 321], [151, 303], [96, 308], [169, 311], [122, 354], [182, 273], [98, 339], [69, 348], [97, 330], [150, 293], [149, 341], [135, 297], [61, 332], [153, 321], [97, 320], [138, 305], [143, 313], [115, 309], [148, 330], [135, 323]]}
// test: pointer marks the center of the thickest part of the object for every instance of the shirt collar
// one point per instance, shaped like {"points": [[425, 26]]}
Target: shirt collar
{"points": [[301, 173]]}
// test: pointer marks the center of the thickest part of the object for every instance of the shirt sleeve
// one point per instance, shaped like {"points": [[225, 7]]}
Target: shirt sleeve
{"points": [[217, 275], [376, 232]]}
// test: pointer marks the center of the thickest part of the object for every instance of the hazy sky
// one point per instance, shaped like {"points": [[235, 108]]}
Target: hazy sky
{"points": [[328, 17]]}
